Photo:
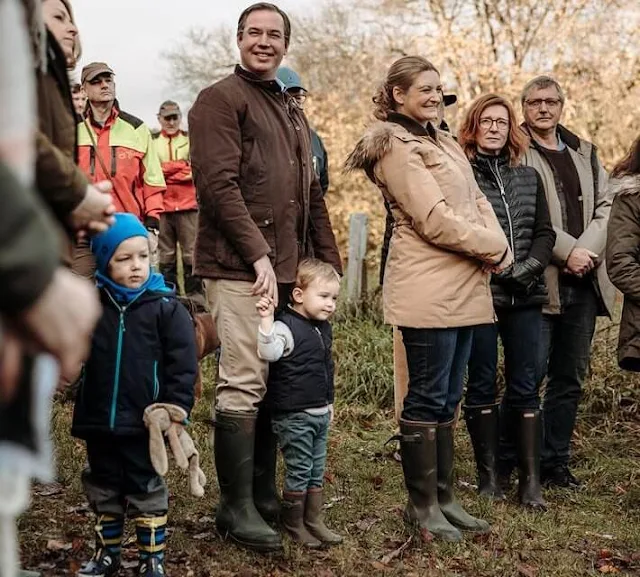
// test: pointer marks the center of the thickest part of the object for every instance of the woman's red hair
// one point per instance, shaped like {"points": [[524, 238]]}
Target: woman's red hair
{"points": [[517, 140]]}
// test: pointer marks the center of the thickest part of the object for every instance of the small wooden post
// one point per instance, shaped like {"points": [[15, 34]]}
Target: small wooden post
{"points": [[356, 279]]}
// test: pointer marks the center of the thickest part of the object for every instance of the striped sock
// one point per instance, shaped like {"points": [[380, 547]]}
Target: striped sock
{"points": [[150, 533], [109, 533]]}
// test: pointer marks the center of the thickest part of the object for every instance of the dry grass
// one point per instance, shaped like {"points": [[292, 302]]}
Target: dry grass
{"points": [[589, 532]]}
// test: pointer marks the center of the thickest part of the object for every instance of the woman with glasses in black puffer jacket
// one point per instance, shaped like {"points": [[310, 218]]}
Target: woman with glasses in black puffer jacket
{"points": [[494, 144]]}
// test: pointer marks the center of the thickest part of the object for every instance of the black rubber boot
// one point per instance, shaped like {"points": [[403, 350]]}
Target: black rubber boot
{"points": [[450, 507], [265, 492], [529, 442], [507, 453], [482, 424], [419, 463], [102, 564], [237, 516], [152, 567], [106, 559]]}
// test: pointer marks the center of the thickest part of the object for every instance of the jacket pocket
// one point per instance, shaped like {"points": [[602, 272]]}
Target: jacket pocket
{"points": [[262, 215], [226, 254]]}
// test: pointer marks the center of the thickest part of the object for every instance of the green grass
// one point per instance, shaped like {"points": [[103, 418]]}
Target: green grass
{"points": [[593, 531]]}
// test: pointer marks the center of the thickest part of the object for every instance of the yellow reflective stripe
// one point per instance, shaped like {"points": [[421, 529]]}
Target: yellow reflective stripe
{"points": [[124, 134], [83, 135], [153, 170], [121, 133], [152, 548], [180, 146], [151, 522]]}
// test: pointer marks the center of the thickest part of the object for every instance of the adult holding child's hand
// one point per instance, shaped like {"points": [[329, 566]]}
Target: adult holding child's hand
{"points": [[261, 211]]}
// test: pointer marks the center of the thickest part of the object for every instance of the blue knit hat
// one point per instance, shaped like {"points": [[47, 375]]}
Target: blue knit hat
{"points": [[104, 244]]}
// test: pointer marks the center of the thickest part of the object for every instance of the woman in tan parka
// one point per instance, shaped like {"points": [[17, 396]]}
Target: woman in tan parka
{"points": [[446, 240]]}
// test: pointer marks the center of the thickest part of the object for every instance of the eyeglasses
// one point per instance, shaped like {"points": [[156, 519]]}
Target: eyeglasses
{"points": [[501, 124], [171, 117], [299, 97], [549, 102]]}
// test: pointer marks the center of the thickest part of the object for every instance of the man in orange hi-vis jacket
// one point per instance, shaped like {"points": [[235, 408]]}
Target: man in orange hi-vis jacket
{"points": [[116, 146], [179, 221]]}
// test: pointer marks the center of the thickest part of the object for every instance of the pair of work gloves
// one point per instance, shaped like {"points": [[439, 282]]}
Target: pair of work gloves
{"points": [[166, 420]]}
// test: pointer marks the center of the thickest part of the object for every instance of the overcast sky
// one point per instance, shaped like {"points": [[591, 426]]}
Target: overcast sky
{"points": [[130, 36]]}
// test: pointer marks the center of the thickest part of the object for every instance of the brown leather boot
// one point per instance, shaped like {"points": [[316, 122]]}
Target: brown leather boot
{"points": [[292, 516], [314, 521]]}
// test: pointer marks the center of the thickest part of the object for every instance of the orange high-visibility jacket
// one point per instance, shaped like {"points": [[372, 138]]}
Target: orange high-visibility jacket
{"points": [[173, 152], [128, 152]]}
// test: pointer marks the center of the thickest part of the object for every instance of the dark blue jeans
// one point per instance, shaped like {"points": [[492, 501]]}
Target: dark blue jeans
{"points": [[564, 357], [437, 361], [520, 331], [303, 440]]}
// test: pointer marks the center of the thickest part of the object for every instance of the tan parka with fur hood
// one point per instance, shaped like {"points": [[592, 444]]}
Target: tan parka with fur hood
{"points": [[444, 228], [623, 264]]}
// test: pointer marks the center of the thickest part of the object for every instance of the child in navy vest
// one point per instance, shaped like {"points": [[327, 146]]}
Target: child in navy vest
{"points": [[300, 394], [143, 352]]}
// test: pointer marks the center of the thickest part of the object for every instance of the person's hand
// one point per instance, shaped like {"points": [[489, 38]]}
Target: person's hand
{"points": [[580, 261], [11, 354], [95, 213], [265, 307], [152, 224], [62, 320], [502, 266], [266, 283], [331, 413], [524, 275]]}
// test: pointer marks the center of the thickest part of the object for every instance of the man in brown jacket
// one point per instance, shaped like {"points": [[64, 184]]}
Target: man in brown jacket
{"points": [[261, 211], [579, 289]]}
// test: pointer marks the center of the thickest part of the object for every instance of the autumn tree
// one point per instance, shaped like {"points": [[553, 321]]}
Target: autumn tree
{"points": [[343, 51]]}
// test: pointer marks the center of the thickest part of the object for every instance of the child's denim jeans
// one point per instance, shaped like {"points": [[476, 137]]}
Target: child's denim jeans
{"points": [[303, 440]]}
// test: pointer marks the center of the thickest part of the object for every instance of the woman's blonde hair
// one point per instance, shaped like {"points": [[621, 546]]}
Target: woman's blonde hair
{"points": [[402, 74], [312, 269]]}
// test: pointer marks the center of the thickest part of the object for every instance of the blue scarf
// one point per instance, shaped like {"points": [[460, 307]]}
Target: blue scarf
{"points": [[125, 295]]}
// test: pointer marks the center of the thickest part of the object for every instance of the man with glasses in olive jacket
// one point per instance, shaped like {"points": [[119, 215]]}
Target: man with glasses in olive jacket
{"points": [[579, 289]]}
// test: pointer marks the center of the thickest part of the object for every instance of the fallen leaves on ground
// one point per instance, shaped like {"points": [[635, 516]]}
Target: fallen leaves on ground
{"points": [[396, 553]]}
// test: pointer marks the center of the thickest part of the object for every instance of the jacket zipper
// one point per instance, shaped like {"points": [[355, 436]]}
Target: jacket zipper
{"points": [[503, 196], [324, 365], [156, 384], [116, 380]]}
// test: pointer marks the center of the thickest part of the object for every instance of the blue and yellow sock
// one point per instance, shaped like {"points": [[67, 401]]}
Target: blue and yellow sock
{"points": [[109, 530], [150, 534]]}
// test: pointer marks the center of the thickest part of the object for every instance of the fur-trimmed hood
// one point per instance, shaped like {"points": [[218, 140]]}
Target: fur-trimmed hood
{"points": [[374, 145], [629, 184], [376, 142]]}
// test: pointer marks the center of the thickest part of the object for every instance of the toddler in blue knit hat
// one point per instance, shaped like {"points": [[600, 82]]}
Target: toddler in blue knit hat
{"points": [[143, 353]]}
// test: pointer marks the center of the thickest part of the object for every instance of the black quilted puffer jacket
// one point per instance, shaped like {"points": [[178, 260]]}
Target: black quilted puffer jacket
{"points": [[516, 194]]}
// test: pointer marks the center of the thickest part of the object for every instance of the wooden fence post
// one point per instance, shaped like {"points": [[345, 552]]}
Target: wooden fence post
{"points": [[356, 277]]}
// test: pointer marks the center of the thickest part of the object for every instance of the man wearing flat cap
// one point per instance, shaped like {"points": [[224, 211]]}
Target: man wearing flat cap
{"points": [[179, 221], [116, 146]]}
